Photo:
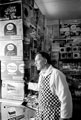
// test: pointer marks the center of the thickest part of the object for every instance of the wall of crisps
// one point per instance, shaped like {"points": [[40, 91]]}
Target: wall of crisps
{"points": [[11, 46]]}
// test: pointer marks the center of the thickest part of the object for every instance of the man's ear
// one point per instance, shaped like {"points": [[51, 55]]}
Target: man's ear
{"points": [[45, 61]]}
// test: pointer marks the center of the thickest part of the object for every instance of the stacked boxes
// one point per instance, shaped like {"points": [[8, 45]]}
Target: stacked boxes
{"points": [[11, 54], [16, 25], [11, 57]]}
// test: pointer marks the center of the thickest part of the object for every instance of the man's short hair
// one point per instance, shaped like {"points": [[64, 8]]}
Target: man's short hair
{"points": [[45, 55]]}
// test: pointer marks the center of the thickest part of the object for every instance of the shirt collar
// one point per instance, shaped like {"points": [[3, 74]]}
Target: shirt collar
{"points": [[47, 72]]}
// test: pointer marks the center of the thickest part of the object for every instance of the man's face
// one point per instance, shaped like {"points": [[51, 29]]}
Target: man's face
{"points": [[40, 62]]}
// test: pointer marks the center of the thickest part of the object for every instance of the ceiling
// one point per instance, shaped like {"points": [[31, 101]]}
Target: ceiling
{"points": [[60, 9]]}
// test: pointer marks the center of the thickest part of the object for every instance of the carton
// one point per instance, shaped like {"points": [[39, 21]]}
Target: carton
{"points": [[11, 50], [12, 70], [11, 29], [10, 11], [12, 90]]}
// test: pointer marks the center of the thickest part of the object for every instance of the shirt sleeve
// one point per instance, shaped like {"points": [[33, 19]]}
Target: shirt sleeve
{"points": [[60, 87], [34, 86]]}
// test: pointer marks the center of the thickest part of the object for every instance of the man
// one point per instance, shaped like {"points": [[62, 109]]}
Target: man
{"points": [[55, 101]]}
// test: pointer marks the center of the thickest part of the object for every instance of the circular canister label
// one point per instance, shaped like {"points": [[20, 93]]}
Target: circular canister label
{"points": [[21, 68], [12, 67], [10, 26], [10, 29], [10, 47]]}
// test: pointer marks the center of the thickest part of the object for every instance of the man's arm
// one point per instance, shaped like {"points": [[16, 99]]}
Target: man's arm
{"points": [[62, 91]]}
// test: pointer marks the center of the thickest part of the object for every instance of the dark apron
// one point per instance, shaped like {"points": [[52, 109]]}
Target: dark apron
{"points": [[49, 104]]}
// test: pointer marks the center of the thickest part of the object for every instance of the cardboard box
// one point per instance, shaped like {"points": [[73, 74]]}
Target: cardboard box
{"points": [[9, 111], [11, 50], [11, 29], [12, 70], [8, 1], [10, 11], [12, 90]]}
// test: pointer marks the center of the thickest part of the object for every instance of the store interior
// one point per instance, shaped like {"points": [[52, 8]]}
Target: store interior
{"points": [[30, 26]]}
